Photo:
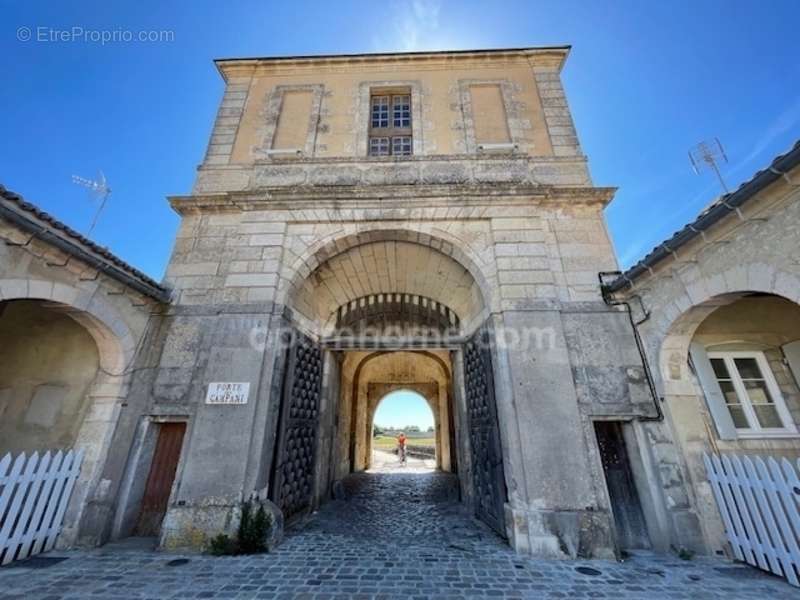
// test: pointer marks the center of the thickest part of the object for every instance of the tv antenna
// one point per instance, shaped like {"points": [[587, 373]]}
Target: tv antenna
{"points": [[709, 154], [99, 190]]}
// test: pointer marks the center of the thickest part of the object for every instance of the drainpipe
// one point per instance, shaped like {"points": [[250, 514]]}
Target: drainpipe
{"points": [[648, 374]]}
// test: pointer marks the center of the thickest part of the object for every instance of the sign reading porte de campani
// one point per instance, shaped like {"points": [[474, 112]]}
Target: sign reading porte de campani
{"points": [[227, 393]]}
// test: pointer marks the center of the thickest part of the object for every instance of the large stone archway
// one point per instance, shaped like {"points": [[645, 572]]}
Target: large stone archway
{"points": [[106, 391], [427, 273], [338, 269]]}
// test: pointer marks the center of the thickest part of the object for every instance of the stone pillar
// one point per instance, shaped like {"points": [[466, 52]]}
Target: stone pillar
{"points": [[325, 459], [90, 509], [462, 429], [361, 406], [551, 499], [213, 479], [443, 431], [270, 340]]}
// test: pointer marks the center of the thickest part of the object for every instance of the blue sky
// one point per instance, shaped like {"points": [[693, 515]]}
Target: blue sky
{"points": [[402, 408], [645, 81]]}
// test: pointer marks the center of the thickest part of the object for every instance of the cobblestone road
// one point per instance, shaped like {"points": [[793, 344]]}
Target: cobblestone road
{"points": [[400, 535]]}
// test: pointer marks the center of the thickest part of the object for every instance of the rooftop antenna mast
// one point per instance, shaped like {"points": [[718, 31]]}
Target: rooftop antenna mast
{"points": [[99, 190], [707, 155]]}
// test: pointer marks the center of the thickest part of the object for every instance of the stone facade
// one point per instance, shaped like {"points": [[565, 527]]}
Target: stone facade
{"points": [[513, 239], [280, 237], [736, 287]]}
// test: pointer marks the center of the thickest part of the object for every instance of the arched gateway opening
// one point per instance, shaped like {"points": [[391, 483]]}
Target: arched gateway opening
{"points": [[371, 314], [408, 413]]}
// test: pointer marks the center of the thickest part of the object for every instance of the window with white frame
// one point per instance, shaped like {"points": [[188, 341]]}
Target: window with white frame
{"points": [[751, 394], [379, 146], [390, 125], [380, 112], [401, 111]]}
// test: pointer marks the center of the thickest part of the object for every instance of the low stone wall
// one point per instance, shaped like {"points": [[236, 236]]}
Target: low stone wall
{"points": [[421, 451]]}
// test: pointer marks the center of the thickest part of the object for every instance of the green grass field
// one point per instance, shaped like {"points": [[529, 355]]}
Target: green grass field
{"points": [[386, 442]]}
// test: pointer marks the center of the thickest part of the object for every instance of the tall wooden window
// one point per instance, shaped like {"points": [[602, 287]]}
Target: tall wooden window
{"points": [[751, 393], [390, 124]]}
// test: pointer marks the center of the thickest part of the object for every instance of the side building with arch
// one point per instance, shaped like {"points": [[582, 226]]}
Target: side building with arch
{"points": [[73, 318], [718, 313]]}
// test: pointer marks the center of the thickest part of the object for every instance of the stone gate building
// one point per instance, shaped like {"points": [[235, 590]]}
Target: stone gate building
{"points": [[360, 224]]}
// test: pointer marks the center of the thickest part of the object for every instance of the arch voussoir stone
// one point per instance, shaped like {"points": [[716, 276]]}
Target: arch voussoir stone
{"points": [[325, 249]]}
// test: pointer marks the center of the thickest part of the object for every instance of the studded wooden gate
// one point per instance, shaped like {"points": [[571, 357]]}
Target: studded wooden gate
{"points": [[488, 479], [293, 472]]}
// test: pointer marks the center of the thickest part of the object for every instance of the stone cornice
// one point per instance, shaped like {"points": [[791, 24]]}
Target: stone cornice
{"points": [[352, 172], [388, 197], [553, 56], [372, 160]]}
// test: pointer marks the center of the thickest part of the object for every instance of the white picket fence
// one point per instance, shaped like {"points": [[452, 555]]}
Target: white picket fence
{"points": [[34, 493], [760, 505]]}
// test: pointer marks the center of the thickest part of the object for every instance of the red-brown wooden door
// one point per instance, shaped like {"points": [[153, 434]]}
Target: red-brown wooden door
{"points": [[161, 477]]}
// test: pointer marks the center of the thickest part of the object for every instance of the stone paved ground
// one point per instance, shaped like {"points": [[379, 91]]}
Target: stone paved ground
{"points": [[400, 535]]}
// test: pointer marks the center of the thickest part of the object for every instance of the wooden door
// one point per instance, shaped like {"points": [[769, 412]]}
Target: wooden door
{"points": [[628, 515], [292, 488], [488, 478], [161, 478]]}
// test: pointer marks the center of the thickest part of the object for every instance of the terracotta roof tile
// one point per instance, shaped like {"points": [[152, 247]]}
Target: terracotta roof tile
{"points": [[34, 213]]}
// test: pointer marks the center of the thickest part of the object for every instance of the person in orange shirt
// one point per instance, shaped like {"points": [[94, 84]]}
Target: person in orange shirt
{"points": [[401, 447]]}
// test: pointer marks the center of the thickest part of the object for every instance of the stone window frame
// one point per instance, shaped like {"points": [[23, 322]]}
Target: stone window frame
{"points": [[515, 130], [272, 113], [366, 89]]}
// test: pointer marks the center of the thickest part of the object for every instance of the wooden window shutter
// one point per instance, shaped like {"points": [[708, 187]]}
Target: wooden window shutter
{"points": [[711, 390], [792, 353], [293, 121], [489, 115]]}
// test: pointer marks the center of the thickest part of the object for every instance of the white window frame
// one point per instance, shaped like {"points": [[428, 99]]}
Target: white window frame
{"points": [[380, 146], [399, 101], [755, 430], [384, 112]]}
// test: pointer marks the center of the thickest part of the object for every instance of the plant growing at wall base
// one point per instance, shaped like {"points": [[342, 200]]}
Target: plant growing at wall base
{"points": [[223, 545], [253, 529], [251, 537]]}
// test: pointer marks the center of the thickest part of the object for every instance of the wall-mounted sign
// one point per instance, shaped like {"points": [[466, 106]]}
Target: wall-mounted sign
{"points": [[227, 393]]}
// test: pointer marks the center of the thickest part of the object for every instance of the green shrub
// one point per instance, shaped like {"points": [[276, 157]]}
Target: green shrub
{"points": [[223, 545], [250, 537], [253, 529]]}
